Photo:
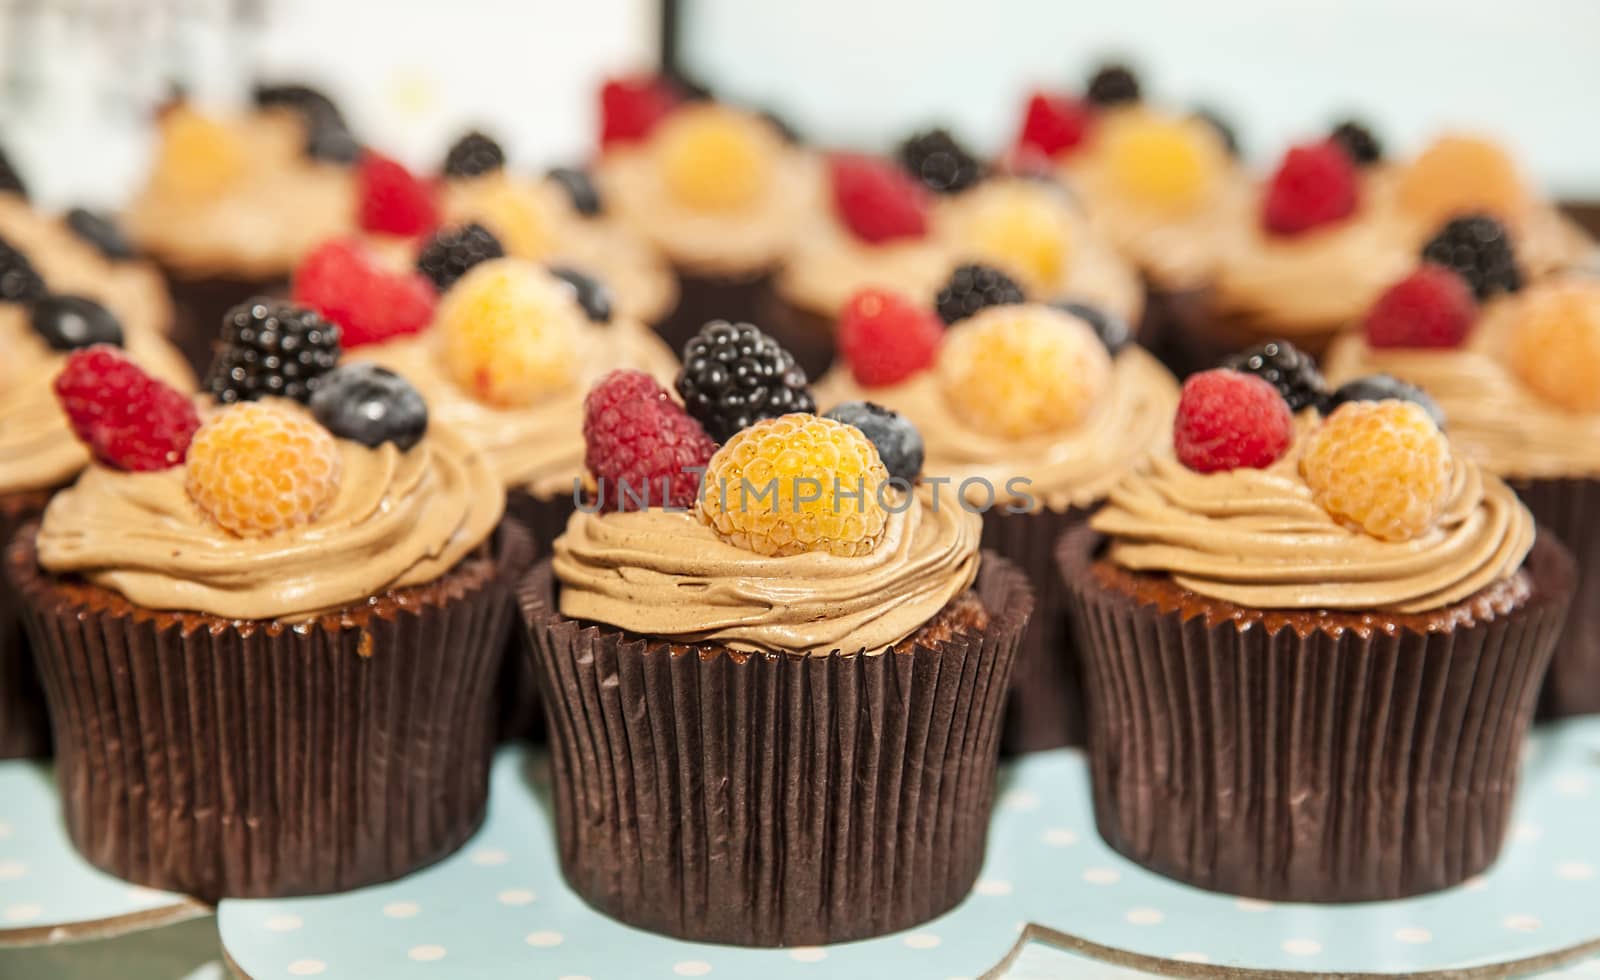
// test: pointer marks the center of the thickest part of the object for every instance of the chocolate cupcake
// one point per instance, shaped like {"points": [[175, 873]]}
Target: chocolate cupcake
{"points": [[699, 656], [311, 599], [1032, 413], [1312, 649]]}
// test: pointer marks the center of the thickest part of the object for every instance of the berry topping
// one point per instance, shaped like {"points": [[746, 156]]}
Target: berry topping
{"points": [[1229, 420], [258, 470], [641, 446], [1283, 366], [1357, 142], [898, 442], [330, 141], [10, 180], [19, 282], [1315, 185], [450, 252], [715, 159], [309, 102], [273, 349], [579, 188], [199, 156], [877, 200], [1478, 248], [392, 200], [511, 333], [1432, 307], [1019, 371], [1461, 174], [885, 337], [1382, 387], [1555, 344], [974, 287], [1112, 330], [943, 165], [70, 322], [350, 285], [127, 419], [1169, 165], [796, 484], [328, 136], [1226, 135], [592, 294], [1054, 124], [1023, 227], [1382, 466], [474, 155], [1113, 85], [102, 232], [371, 405], [630, 108], [734, 375]]}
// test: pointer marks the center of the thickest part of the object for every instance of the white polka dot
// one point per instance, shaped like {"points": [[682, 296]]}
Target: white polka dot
{"points": [[922, 940], [5, 830], [1020, 799], [808, 954], [1572, 784], [993, 887], [1251, 905], [490, 856], [22, 913], [283, 923], [1145, 917], [12, 870], [306, 968], [691, 968], [1102, 876], [1060, 837], [1413, 935], [1574, 871], [515, 896], [545, 937], [401, 910], [1522, 923], [1476, 883], [426, 954], [1191, 957], [1302, 947], [1527, 831]]}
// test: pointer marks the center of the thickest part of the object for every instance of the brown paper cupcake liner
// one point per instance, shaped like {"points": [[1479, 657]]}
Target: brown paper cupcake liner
{"points": [[199, 304], [773, 800], [1570, 509], [1278, 756], [227, 758], [1196, 336], [521, 710], [704, 297], [24, 726]]}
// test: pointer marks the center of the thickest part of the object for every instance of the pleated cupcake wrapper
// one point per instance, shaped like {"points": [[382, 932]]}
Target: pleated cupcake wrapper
{"points": [[521, 711], [1570, 509], [246, 759], [24, 725], [1318, 767], [200, 303], [773, 800], [703, 297], [1196, 336], [1045, 707]]}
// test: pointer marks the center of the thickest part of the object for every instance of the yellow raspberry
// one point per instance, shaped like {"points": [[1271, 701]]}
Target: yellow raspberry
{"points": [[1555, 344], [1459, 174], [714, 159], [199, 156], [1171, 165], [795, 484], [1018, 371], [514, 211], [1382, 467], [1023, 231], [260, 468], [510, 332]]}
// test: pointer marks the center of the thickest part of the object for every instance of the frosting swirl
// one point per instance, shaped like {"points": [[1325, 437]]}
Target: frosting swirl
{"points": [[399, 519], [666, 575]]}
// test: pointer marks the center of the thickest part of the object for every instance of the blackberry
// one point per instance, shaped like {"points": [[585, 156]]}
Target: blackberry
{"points": [[898, 442], [593, 295], [70, 322], [371, 405], [734, 375], [1379, 387], [102, 232], [10, 180], [1112, 330], [1478, 248], [473, 155], [938, 161], [973, 287], [580, 189], [1286, 368], [450, 252], [328, 136], [1113, 85], [271, 348], [19, 282], [1224, 130], [1358, 141]]}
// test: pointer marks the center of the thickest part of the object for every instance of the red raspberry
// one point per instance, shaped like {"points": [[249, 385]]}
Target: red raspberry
{"points": [[1432, 307], [129, 420], [635, 436], [886, 338], [1228, 419], [631, 107], [1315, 185], [1054, 123], [345, 282], [876, 199], [393, 201]]}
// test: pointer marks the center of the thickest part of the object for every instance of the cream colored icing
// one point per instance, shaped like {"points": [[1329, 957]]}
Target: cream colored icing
{"points": [[828, 264], [667, 575]]}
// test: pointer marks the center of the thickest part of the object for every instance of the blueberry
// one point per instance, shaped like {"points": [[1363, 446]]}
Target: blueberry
{"points": [[898, 441], [580, 189], [371, 405], [100, 231], [1378, 387], [1112, 330], [71, 322], [593, 295]]}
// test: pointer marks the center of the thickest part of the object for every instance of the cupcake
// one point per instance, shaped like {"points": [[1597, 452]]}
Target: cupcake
{"points": [[1312, 648], [315, 598], [1515, 374], [1032, 413], [700, 655]]}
